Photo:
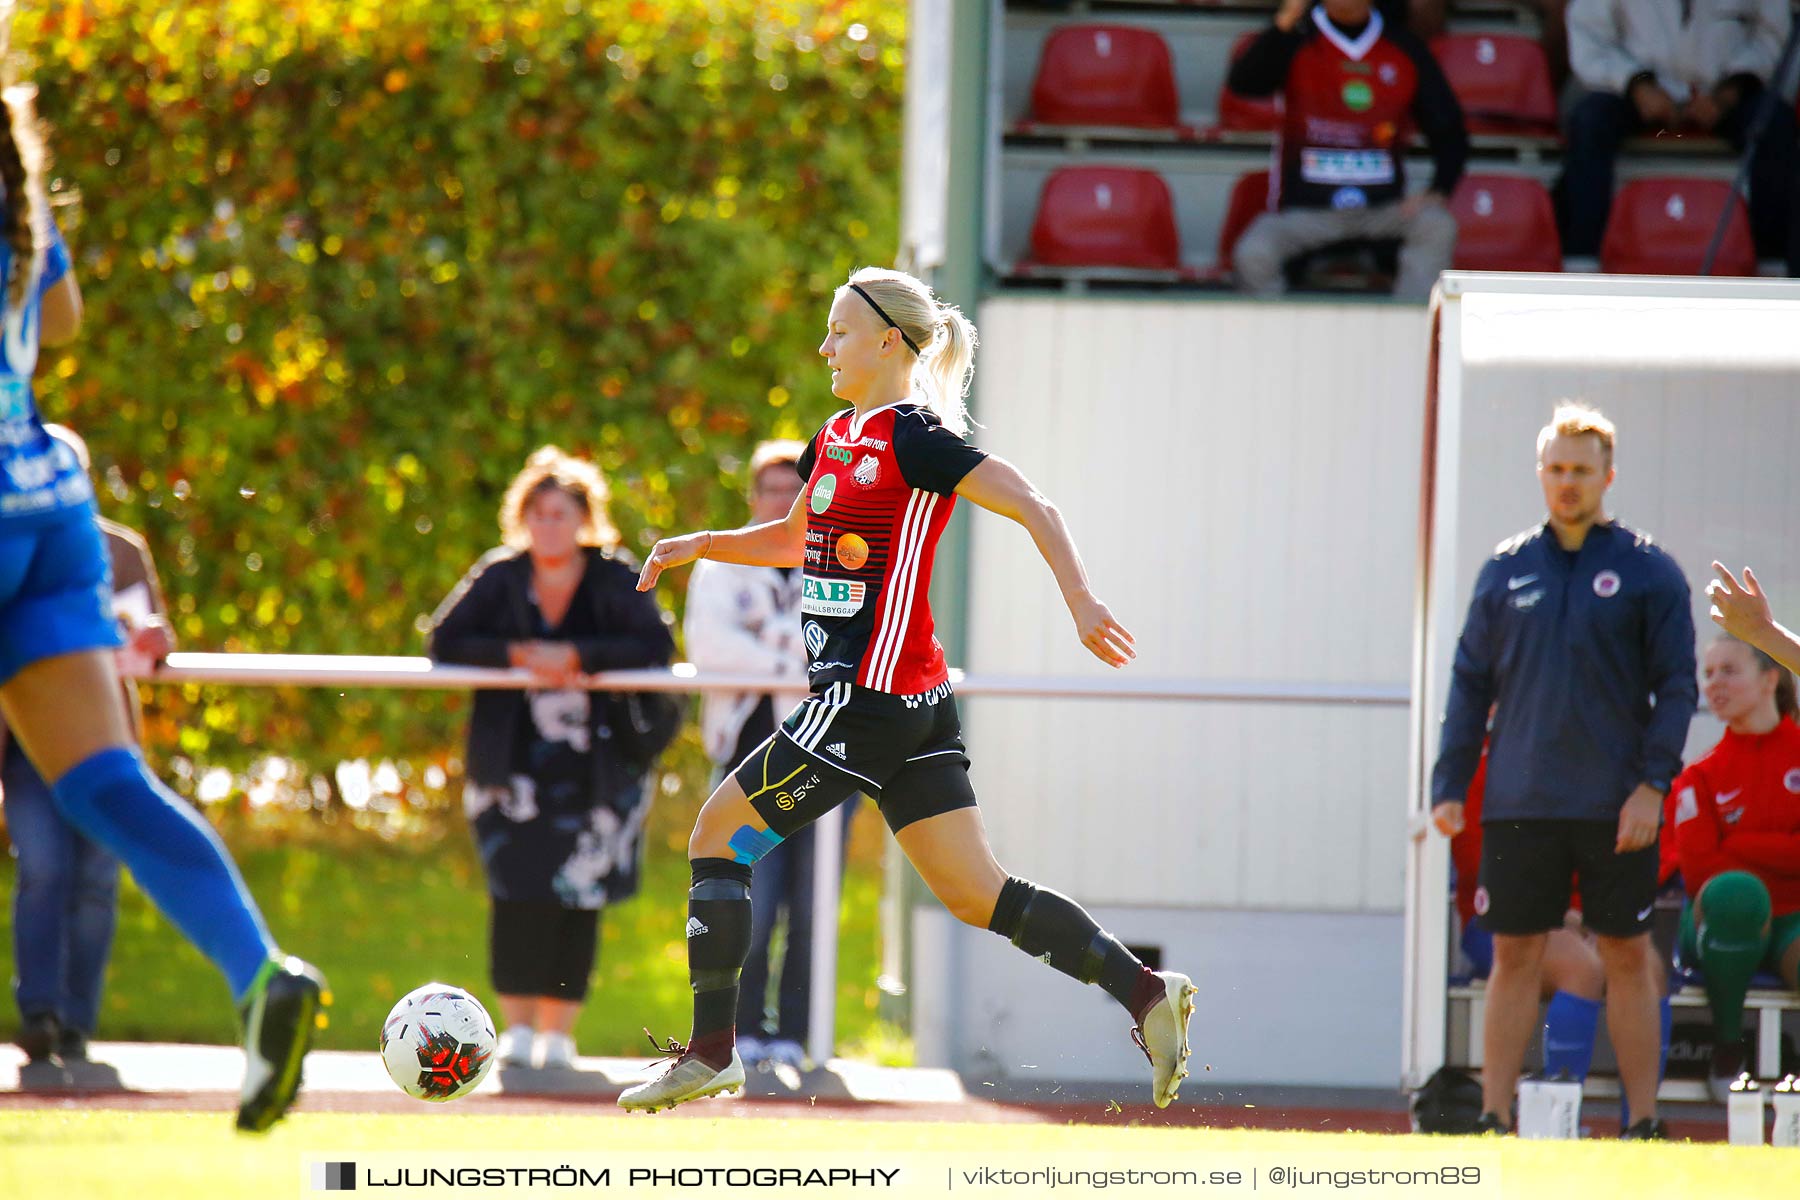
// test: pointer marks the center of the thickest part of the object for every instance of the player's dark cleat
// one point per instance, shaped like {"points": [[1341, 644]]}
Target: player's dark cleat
{"points": [[689, 1077], [1650, 1129], [72, 1046], [1727, 1064], [1162, 1035], [38, 1035], [1491, 1122], [284, 1006]]}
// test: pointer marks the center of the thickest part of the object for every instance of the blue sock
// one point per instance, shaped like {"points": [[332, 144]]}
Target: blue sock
{"points": [[1662, 1062], [1570, 1026], [174, 856]]}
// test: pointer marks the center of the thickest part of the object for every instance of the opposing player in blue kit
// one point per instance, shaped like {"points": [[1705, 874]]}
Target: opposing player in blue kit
{"points": [[59, 689]]}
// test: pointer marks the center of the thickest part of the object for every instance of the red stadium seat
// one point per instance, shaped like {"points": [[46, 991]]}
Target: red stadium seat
{"points": [[1250, 199], [1502, 80], [1505, 223], [1106, 75], [1663, 226], [1105, 217], [1247, 114]]}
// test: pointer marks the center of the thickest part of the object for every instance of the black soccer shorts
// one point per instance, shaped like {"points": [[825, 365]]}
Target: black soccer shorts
{"points": [[1526, 869], [906, 752]]}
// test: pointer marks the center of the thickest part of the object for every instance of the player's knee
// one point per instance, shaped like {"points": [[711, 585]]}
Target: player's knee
{"points": [[1735, 904], [967, 903], [1516, 953]]}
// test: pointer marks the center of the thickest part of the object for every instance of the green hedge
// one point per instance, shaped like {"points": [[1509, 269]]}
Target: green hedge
{"points": [[346, 262]]}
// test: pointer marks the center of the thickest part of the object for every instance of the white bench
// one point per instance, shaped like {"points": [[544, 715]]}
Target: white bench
{"points": [[1765, 1006]]}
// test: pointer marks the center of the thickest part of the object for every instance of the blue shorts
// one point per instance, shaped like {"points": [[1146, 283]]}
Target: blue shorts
{"points": [[56, 593]]}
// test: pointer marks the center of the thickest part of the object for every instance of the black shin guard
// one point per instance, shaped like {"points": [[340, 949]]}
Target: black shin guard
{"points": [[1048, 925], [718, 940]]}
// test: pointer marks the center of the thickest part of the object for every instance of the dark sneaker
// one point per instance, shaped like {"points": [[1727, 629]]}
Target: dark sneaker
{"points": [[1491, 1122], [689, 1077], [1650, 1129], [286, 1003], [1727, 1065], [72, 1046], [38, 1035]]}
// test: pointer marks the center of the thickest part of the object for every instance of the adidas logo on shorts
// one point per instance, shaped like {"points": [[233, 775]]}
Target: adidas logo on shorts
{"points": [[836, 749], [695, 927]]}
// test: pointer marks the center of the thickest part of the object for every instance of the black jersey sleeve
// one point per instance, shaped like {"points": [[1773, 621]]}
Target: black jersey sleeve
{"points": [[809, 457], [930, 456]]}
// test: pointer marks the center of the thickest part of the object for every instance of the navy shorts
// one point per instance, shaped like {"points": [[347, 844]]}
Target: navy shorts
{"points": [[905, 752], [1527, 869], [56, 593]]}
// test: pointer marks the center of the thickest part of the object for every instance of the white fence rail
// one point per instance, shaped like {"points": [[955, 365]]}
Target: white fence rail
{"points": [[392, 671]]}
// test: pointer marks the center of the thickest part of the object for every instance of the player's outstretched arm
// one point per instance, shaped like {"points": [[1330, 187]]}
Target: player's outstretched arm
{"points": [[772, 544], [1741, 608], [997, 486]]}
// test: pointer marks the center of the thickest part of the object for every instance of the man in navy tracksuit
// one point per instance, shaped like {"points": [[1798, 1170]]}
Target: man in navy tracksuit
{"points": [[1581, 637]]}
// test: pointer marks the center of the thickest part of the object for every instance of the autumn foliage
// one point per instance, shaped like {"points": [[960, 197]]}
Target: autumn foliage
{"points": [[347, 262]]}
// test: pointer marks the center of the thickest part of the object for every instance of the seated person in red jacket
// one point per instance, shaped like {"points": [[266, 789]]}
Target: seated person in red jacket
{"points": [[1574, 978], [1737, 834], [1353, 90]]}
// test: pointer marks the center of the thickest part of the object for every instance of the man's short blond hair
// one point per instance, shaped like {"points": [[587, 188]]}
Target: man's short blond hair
{"points": [[1578, 420]]}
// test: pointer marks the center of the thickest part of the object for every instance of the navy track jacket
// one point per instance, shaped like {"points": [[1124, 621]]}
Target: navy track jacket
{"points": [[1572, 648]]}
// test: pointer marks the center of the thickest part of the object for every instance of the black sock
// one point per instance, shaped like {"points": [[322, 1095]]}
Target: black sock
{"points": [[718, 941], [1048, 925]]}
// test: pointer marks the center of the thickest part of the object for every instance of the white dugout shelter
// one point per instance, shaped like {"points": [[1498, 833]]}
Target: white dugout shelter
{"points": [[1702, 377]]}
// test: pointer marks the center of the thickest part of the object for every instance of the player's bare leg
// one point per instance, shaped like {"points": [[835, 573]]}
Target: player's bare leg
{"points": [[68, 714]]}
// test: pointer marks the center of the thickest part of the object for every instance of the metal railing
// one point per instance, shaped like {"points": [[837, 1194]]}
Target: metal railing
{"points": [[387, 671]]}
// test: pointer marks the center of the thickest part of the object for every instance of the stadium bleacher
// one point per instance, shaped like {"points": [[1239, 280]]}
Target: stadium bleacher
{"points": [[1141, 87]]}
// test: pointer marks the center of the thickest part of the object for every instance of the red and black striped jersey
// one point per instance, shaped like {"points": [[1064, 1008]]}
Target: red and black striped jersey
{"points": [[879, 490]]}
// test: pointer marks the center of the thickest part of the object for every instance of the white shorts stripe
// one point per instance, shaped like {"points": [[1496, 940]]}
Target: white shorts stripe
{"points": [[835, 697], [933, 754]]}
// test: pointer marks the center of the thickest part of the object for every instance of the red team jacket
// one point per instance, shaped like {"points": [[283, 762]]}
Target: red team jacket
{"points": [[1739, 809], [879, 491]]}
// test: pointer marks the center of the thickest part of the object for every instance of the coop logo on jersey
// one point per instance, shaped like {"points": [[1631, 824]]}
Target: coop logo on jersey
{"points": [[1791, 781], [822, 492], [831, 597], [867, 471], [814, 633], [838, 454], [1606, 584]]}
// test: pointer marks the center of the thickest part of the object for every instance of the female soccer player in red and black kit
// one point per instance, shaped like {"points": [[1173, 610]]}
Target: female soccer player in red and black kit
{"points": [[882, 477]]}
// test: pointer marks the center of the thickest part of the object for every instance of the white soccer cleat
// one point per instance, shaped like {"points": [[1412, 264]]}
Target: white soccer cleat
{"points": [[556, 1052], [688, 1078], [515, 1046], [1163, 1036]]}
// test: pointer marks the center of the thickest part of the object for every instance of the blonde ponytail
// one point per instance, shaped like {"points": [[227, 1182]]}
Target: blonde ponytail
{"points": [[946, 341]]}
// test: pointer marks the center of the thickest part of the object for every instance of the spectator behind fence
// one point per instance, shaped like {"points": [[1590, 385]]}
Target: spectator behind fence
{"points": [[65, 902], [1651, 66], [1580, 631], [747, 619], [1574, 979], [1737, 837], [557, 809], [1353, 88]]}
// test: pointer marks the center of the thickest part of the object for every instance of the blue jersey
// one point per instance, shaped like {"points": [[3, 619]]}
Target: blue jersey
{"points": [[1588, 660], [40, 480]]}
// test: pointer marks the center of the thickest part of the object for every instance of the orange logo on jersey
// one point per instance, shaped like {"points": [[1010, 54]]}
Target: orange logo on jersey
{"points": [[852, 551]]}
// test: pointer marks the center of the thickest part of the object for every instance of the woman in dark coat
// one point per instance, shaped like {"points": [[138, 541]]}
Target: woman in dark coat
{"points": [[556, 799]]}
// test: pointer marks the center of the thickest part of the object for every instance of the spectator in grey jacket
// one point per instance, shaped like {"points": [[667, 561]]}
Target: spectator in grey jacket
{"points": [[1651, 66], [747, 619]]}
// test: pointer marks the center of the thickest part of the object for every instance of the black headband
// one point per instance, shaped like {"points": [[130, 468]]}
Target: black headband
{"points": [[882, 313]]}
